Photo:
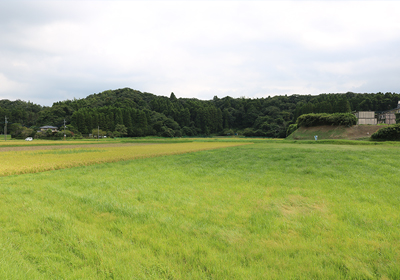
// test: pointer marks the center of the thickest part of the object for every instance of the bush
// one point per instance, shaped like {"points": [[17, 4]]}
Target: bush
{"points": [[397, 117], [168, 132], [178, 133], [291, 128], [308, 120], [226, 132], [68, 134], [248, 132], [390, 133], [187, 131]]}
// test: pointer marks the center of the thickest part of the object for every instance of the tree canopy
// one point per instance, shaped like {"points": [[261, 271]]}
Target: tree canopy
{"points": [[128, 112]]}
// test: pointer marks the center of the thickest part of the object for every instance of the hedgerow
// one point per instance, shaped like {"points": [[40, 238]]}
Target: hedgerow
{"points": [[308, 120]]}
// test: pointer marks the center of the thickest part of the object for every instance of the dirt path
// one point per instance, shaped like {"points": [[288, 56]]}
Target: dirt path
{"points": [[58, 147]]}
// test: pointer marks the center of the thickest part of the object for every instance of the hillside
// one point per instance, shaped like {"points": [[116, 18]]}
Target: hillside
{"points": [[128, 112], [334, 132]]}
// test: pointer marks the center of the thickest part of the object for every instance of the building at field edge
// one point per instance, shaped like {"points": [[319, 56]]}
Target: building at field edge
{"points": [[371, 117]]}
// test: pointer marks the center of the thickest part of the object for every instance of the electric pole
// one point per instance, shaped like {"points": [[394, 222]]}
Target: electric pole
{"points": [[5, 129], [64, 130]]}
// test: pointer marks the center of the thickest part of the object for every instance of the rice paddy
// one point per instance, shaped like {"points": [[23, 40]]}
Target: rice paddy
{"points": [[263, 211], [38, 160]]}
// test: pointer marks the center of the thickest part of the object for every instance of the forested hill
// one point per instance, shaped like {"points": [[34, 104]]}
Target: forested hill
{"points": [[133, 113]]}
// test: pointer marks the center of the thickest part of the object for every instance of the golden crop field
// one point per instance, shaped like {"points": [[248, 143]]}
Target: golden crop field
{"points": [[43, 159], [40, 142]]}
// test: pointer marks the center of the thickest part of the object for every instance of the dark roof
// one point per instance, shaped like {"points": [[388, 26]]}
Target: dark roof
{"points": [[48, 126]]}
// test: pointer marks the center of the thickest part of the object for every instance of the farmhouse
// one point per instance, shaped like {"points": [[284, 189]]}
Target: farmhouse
{"points": [[47, 127]]}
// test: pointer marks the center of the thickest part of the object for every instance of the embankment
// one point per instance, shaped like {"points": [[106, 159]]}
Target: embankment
{"points": [[334, 132]]}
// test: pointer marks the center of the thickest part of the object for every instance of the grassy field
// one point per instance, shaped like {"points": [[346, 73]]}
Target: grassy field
{"points": [[263, 211], [147, 140]]}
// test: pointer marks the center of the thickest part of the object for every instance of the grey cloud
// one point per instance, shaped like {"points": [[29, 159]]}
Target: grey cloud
{"points": [[230, 48]]}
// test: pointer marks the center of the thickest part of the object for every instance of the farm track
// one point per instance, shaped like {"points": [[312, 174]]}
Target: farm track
{"points": [[59, 147]]}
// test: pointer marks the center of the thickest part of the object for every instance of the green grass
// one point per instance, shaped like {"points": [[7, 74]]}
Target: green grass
{"points": [[322, 133], [263, 211], [342, 142], [149, 139]]}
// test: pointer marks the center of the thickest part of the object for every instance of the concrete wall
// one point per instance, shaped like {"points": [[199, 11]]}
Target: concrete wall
{"points": [[367, 121], [365, 115]]}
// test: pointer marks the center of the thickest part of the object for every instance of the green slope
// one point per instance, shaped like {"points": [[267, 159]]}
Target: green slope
{"points": [[334, 132]]}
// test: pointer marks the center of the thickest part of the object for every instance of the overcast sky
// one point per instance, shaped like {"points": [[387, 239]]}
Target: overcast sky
{"points": [[57, 50]]}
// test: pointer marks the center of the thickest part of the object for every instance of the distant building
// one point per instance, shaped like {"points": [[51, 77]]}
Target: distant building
{"points": [[366, 117], [47, 127], [389, 116]]}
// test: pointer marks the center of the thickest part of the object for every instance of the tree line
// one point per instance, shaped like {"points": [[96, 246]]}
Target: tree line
{"points": [[348, 102], [128, 112]]}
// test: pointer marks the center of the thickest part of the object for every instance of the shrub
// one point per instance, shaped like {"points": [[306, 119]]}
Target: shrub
{"points": [[227, 132], [397, 117], [60, 134], [178, 133], [248, 132], [187, 131], [291, 128], [308, 120], [390, 132], [168, 132]]}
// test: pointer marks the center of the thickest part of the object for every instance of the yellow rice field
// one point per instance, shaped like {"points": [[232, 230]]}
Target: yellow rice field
{"points": [[45, 142], [39, 160]]}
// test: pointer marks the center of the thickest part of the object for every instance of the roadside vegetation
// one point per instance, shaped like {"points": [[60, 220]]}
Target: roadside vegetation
{"points": [[270, 210]]}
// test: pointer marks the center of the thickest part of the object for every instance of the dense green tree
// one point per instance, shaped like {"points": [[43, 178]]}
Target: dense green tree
{"points": [[147, 114], [120, 130], [118, 116], [173, 97]]}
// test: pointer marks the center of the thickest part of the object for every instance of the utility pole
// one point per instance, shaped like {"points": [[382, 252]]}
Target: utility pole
{"points": [[98, 128], [5, 129], [64, 130]]}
